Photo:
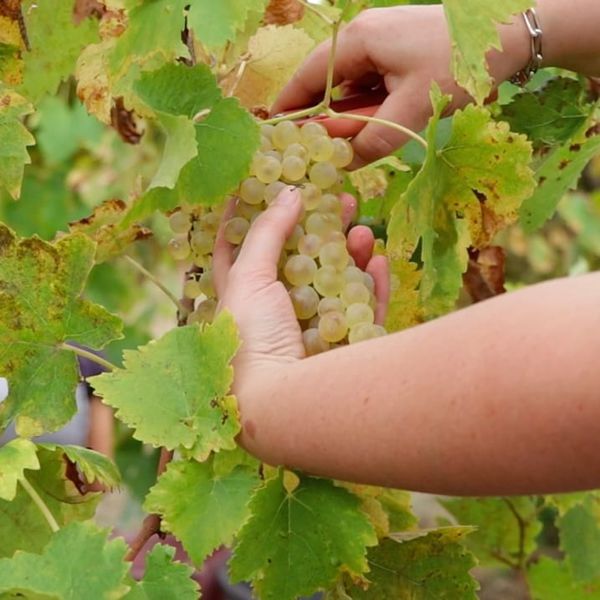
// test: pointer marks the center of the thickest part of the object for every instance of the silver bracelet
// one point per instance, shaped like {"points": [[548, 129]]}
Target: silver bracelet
{"points": [[535, 62]]}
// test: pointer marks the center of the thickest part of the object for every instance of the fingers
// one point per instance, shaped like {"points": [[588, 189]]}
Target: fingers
{"points": [[376, 140], [351, 63], [349, 208], [360, 245], [379, 270], [223, 253], [264, 242]]}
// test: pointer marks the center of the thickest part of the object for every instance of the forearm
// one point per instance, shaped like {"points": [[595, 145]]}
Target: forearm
{"points": [[500, 398]]}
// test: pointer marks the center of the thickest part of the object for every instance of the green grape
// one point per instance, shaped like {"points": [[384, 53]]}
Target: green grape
{"points": [[311, 129], [310, 244], [369, 282], [330, 203], [298, 150], [320, 148], [313, 342], [192, 288], [179, 248], [273, 190], [314, 322], [293, 168], [336, 236], [333, 327], [365, 331], [204, 313], [202, 241], [355, 293], [292, 242], [265, 144], [267, 168], [180, 222], [210, 222], [323, 175], [359, 313], [334, 254], [284, 134], [328, 281], [343, 153], [305, 301], [353, 275], [330, 304], [267, 131], [322, 224], [311, 196], [252, 190], [235, 230], [247, 211], [300, 270], [207, 286]]}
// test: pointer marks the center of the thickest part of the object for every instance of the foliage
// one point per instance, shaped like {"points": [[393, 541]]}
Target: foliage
{"points": [[113, 114]]}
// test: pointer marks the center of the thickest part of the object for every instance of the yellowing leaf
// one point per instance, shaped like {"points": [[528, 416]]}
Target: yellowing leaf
{"points": [[15, 457], [93, 85], [274, 55]]}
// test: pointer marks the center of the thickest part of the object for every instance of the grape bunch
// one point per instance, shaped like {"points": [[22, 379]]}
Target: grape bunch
{"points": [[333, 299]]}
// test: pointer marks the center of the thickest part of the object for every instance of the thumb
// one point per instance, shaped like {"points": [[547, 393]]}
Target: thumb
{"points": [[265, 239]]}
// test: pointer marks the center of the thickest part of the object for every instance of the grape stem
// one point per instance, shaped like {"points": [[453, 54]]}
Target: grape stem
{"points": [[89, 355], [180, 308], [42, 506]]}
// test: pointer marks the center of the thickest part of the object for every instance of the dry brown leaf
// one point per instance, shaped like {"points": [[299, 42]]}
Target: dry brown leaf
{"points": [[283, 12], [485, 274]]}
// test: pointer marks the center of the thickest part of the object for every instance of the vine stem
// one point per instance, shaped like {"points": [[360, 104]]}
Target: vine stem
{"points": [[89, 355], [42, 506], [155, 281], [315, 10]]}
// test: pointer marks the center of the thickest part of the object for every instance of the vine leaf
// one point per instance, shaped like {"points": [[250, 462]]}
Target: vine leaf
{"points": [[296, 543], [78, 562], [550, 578], [580, 539], [23, 526], [55, 43], [559, 173], [164, 579], [179, 404], [201, 508], [473, 28], [465, 192], [216, 23], [14, 139], [93, 465], [40, 308], [428, 564], [551, 115], [499, 533], [15, 457]]}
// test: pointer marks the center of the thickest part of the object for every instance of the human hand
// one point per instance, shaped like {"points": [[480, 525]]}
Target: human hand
{"points": [[248, 285], [404, 49]]}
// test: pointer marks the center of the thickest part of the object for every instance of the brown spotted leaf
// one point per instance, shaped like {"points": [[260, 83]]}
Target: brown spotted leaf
{"points": [[485, 274], [283, 12]]}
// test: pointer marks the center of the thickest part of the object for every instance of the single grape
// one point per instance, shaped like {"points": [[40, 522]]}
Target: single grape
{"points": [[328, 281], [320, 148], [292, 242], [180, 222], [252, 191], [330, 203], [343, 153], [210, 222], [364, 331], [298, 150], [311, 196], [353, 275], [336, 236], [323, 175], [265, 144], [284, 134], [312, 129], [202, 241], [192, 288], [305, 301], [359, 313], [179, 248], [236, 230], [334, 254], [330, 304], [322, 224], [313, 342], [300, 270], [293, 168], [273, 190], [310, 244], [207, 286], [267, 131], [204, 313], [355, 292], [267, 168], [333, 327], [314, 322]]}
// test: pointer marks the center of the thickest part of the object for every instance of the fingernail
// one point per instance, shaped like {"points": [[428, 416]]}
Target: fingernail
{"points": [[287, 196]]}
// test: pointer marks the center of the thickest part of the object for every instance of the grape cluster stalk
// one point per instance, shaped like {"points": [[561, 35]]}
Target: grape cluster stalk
{"points": [[333, 299]]}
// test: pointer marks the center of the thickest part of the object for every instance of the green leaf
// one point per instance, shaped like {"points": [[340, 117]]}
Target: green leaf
{"points": [[178, 90], [480, 176], [425, 565], [179, 404], [498, 529], [559, 173], [152, 38], [22, 524], [550, 115], [93, 465], [549, 579], [216, 23], [582, 215], [202, 509], [14, 139], [78, 562], [15, 457], [295, 544], [580, 540], [56, 43], [164, 579], [473, 28], [41, 307]]}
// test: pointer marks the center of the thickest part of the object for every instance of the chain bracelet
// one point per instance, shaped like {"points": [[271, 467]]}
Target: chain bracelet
{"points": [[536, 37]]}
